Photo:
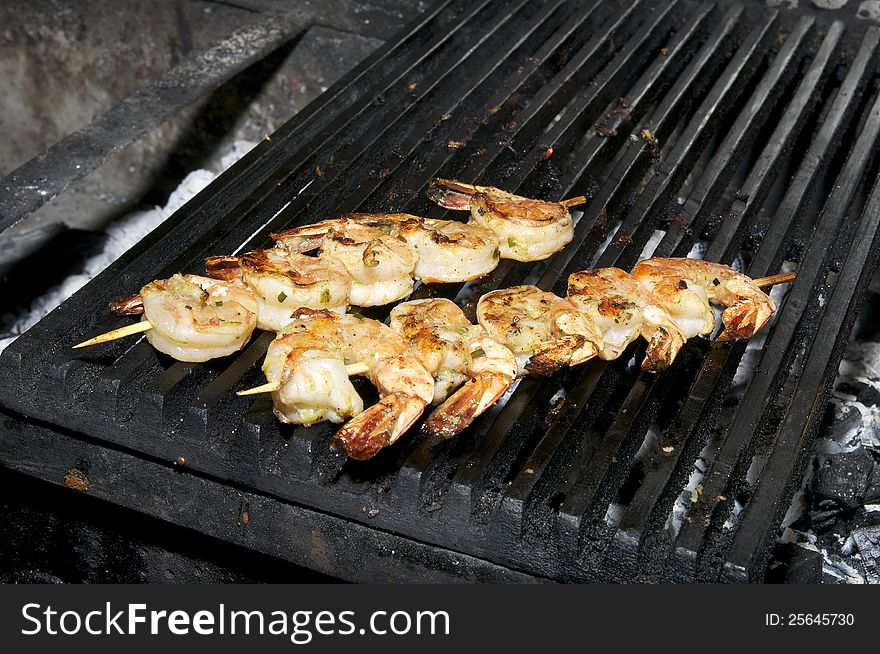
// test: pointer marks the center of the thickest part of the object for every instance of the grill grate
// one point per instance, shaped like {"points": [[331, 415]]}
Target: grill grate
{"points": [[694, 127]]}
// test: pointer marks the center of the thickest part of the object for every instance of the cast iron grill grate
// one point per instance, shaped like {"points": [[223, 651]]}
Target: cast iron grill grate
{"points": [[742, 135]]}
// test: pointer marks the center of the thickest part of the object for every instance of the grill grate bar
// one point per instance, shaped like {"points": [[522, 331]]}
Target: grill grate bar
{"points": [[590, 231], [475, 466], [748, 553], [732, 446], [424, 455], [705, 395], [583, 491], [758, 183], [690, 218], [673, 169], [462, 133]]}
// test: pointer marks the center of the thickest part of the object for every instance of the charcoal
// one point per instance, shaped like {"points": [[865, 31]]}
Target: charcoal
{"points": [[851, 387], [872, 493], [867, 540], [869, 396], [845, 478], [839, 427]]}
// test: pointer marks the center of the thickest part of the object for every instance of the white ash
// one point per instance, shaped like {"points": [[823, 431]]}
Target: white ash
{"points": [[652, 244], [121, 236], [698, 251], [692, 491], [869, 10]]}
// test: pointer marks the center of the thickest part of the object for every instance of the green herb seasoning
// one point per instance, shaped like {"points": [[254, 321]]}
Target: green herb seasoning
{"points": [[186, 306], [218, 304], [479, 352], [325, 296], [282, 296], [511, 243]]}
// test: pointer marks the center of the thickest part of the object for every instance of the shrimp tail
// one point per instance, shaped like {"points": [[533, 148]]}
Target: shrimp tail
{"points": [[450, 194], [378, 426], [468, 402], [305, 238], [551, 356], [225, 267], [744, 319], [663, 347], [131, 305]]}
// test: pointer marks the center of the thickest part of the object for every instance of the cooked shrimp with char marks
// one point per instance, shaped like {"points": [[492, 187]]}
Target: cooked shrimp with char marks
{"points": [[688, 287], [544, 331], [448, 251], [380, 265], [459, 355], [194, 318], [285, 281], [622, 311], [527, 229], [309, 362]]}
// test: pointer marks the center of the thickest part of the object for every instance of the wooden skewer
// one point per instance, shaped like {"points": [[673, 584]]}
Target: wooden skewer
{"points": [[128, 330], [573, 202], [781, 278], [271, 387]]}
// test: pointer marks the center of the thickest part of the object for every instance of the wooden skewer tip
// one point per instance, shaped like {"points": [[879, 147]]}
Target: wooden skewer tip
{"points": [[781, 278], [271, 387], [575, 201], [122, 332]]}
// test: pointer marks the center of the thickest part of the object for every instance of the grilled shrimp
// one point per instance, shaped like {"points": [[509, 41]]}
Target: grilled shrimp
{"points": [[447, 250], [622, 310], [380, 265], [544, 331], [194, 318], [457, 354], [309, 361], [528, 230], [687, 288], [285, 281]]}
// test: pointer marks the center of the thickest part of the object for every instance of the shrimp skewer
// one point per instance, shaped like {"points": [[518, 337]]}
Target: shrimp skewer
{"points": [[528, 230], [190, 318], [545, 332], [458, 355], [447, 251], [283, 282], [522, 329], [380, 265], [688, 288], [622, 311], [307, 362]]}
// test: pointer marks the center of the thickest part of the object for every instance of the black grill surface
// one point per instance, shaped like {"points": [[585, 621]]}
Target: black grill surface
{"points": [[739, 134]]}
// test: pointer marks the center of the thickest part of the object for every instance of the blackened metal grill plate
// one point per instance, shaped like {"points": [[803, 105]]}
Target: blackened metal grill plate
{"points": [[745, 132]]}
